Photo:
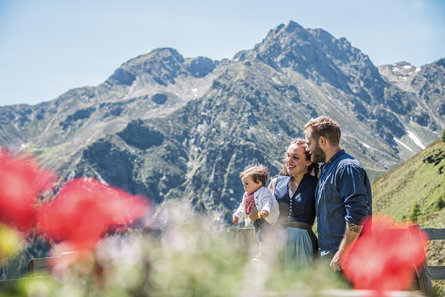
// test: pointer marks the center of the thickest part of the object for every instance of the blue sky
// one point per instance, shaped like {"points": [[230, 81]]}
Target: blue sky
{"points": [[50, 46]]}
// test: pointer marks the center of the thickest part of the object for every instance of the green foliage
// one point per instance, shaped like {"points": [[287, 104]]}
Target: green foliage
{"points": [[443, 135], [35, 247], [439, 204], [415, 212]]}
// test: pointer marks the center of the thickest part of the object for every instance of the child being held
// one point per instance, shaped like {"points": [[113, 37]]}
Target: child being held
{"points": [[254, 179]]}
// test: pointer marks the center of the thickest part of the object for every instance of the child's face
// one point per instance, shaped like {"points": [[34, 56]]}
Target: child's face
{"points": [[249, 185]]}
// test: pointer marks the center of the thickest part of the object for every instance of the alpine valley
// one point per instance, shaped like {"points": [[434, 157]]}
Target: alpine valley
{"points": [[170, 127]]}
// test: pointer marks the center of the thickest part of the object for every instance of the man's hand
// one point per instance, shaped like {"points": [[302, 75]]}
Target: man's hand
{"points": [[351, 234], [253, 215], [335, 262]]}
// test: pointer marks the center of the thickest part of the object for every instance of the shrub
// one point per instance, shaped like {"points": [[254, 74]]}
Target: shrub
{"points": [[439, 204], [415, 212]]}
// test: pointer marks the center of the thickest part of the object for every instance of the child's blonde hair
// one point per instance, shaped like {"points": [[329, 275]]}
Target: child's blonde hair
{"points": [[257, 172]]}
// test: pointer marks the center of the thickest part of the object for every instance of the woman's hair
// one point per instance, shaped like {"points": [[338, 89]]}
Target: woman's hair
{"points": [[312, 169], [257, 172]]}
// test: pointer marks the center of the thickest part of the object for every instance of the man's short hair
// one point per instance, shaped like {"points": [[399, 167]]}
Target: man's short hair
{"points": [[326, 127], [257, 172]]}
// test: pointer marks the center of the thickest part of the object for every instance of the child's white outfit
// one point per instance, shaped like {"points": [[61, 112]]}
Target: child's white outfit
{"points": [[264, 200]]}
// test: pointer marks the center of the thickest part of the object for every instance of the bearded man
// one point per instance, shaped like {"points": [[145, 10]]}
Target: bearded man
{"points": [[343, 195]]}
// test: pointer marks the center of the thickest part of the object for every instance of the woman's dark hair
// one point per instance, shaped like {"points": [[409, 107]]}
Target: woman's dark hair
{"points": [[312, 169]]}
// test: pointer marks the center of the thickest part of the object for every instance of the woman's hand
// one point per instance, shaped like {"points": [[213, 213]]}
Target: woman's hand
{"points": [[253, 215]]}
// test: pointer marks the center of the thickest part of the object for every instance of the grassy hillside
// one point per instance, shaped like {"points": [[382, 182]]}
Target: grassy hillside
{"points": [[415, 191]]}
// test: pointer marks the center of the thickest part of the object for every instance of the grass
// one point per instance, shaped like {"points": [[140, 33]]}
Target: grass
{"points": [[414, 182], [415, 191]]}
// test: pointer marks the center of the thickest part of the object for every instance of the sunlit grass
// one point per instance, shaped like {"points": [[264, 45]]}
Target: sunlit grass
{"points": [[416, 182]]}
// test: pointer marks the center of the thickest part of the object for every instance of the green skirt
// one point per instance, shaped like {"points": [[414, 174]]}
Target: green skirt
{"points": [[299, 246]]}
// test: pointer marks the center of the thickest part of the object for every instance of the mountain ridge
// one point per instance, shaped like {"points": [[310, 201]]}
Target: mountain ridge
{"points": [[176, 127]]}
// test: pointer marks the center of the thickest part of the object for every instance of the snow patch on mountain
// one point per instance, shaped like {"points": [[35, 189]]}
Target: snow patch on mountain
{"points": [[402, 144], [416, 139]]}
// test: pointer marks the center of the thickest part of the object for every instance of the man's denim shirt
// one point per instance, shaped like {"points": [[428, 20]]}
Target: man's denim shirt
{"points": [[343, 194]]}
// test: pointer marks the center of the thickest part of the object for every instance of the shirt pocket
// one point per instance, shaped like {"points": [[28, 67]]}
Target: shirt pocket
{"points": [[330, 191]]}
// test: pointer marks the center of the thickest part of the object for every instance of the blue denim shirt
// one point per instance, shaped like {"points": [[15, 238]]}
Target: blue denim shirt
{"points": [[343, 194]]}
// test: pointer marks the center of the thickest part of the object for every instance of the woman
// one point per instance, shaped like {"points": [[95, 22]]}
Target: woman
{"points": [[294, 191]]}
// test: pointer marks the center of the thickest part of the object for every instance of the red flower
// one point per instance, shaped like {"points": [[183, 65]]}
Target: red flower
{"points": [[21, 181], [83, 210], [385, 256]]}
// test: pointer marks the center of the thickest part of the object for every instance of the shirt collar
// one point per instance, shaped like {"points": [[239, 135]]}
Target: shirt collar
{"points": [[332, 159]]}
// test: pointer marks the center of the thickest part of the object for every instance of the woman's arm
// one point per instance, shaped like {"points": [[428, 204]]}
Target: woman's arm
{"points": [[272, 186], [253, 215]]}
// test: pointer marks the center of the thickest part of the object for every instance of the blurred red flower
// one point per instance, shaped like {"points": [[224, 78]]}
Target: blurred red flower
{"points": [[21, 182], [84, 209], [385, 256]]}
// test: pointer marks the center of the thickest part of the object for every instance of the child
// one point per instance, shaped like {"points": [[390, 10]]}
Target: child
{"points": [[254, 180]]}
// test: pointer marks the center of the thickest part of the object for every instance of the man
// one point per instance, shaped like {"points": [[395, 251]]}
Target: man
{"points": [[343, 194]]}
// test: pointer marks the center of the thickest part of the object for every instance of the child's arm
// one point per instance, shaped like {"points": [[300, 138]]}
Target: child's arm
{"points": [[239, 213]]}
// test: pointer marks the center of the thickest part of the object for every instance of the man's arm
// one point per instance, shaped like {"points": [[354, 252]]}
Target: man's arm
{"points": [[355, 197], [351, 234]]}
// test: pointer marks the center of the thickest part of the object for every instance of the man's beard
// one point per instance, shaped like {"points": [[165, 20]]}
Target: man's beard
{"points": [[317, 155]]}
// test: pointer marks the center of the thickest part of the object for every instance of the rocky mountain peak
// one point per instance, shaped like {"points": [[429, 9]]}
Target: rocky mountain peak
{"points": [[339, 49], [293, 47], [319, 57], [162, 66], [429, 84], [160, 54], [200, 67], [441, 63], [400, 74], [163, 62], [293, 26]]}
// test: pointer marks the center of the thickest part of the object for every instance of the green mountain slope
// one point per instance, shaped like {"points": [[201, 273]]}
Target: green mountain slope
{"points": [[415, 191]]}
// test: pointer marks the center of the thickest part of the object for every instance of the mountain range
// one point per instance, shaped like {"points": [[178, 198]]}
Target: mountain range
{"points": [[170, 127]]}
